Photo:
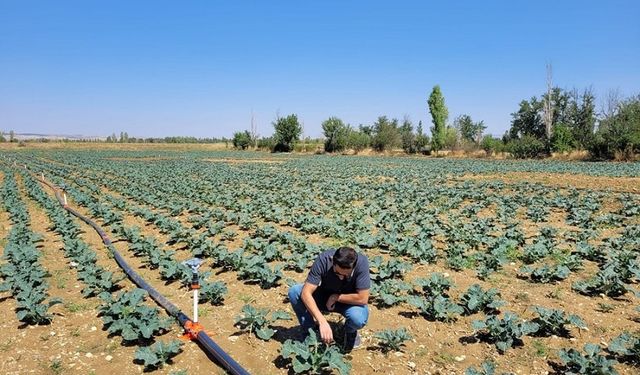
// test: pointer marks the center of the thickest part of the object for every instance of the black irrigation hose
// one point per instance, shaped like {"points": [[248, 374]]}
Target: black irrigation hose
{"points": [[199, 334]]}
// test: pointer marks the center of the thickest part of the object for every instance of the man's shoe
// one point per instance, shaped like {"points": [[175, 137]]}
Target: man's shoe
{"points": [[351, 341]]}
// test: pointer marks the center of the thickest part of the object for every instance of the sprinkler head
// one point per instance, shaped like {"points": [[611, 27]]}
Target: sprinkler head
{"points": [[193, 263]]}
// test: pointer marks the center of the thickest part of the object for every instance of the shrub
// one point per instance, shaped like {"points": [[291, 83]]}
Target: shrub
{"points": [[266, 143], [491, 145], [241, 140], [527, 147], [287, 133], [450, 138], [619, 134], [386, 135], [562, 139], [357, 141], [335, 134]]}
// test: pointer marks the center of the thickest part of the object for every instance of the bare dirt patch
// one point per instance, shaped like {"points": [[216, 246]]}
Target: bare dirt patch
{"points": [[616, 184], [245, 161]]}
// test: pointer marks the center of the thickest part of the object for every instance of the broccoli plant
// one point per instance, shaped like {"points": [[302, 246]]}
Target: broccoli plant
{"points": [[419, 249], [98, 280], [475, 300], [437, 284], [492, 261], [505, 332], [545, 274], [590, 252], [552, 321], [389, 292], [390, 339], [157, 355], [434, 302], [392, 269], [438, 307], [626, 345], [487, 367], [536, 251], [313, 357], [626, 265], [255, 269], [212, 292], [31, 307], [256, 320], [607, 281], [589, 363], [127, 316]]}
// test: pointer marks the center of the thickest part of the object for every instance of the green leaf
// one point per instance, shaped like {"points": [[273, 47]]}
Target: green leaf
{"points": [[265, 333]]}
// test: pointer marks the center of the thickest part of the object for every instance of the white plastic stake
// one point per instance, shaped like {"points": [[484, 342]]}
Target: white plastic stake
{"points": [[64, 195], [42, 176], [195, 305]]}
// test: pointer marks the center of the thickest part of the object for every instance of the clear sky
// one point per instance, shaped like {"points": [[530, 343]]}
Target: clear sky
{"points": [[200, 68]]}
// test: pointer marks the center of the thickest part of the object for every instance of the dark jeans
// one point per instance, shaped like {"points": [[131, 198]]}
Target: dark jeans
{"points": [[356, 316]]}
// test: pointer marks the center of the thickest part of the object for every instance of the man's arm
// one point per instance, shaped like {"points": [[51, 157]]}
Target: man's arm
{"points": [[361, 297], [326, 334]]}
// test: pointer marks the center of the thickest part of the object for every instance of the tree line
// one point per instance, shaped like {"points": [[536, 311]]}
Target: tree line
{"points": [[558, 121]]}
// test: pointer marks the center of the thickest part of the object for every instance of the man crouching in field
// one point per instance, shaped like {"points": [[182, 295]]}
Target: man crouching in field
{"points": [[338, 281]]}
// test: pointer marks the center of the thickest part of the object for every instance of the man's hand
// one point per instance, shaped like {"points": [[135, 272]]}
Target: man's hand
{"points": [[331, 302], [326, 334]]}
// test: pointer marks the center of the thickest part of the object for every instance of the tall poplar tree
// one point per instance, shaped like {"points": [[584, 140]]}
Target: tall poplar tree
{"points": [[439, 115]]}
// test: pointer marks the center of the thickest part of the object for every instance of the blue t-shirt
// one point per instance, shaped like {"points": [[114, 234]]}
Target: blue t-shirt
{"points": [[322, 274]]}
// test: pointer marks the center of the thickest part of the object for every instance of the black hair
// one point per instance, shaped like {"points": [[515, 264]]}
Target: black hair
{"points": [[345, 257]]}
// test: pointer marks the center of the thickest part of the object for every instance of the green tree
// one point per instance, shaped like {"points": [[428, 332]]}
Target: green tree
{"points": [[562, 138], [619, 132], [408, 138], [528, 120], [491, 145], [287, 133], [366, 129], [12, 136], [469, 131], [561, 103], [358, 140], [584, 117], [439, 115], [422, 140], [386, 135], [2, 139], [335, 134], [526, 147], [266, 143], [242, 140], [450, 138]]}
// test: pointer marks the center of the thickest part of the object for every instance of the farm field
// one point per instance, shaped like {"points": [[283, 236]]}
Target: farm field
{"points": [[461, 252]]}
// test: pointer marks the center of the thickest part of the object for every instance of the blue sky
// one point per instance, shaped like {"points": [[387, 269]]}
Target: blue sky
{"points": [[159, 68]]}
